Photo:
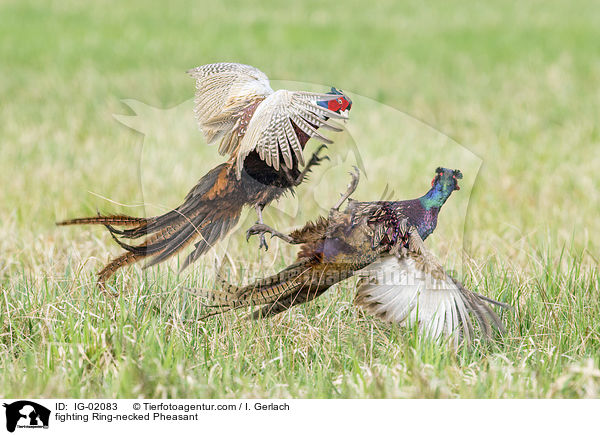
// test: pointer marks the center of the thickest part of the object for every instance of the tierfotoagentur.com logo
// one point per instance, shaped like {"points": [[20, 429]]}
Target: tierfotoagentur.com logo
{"points": [[25, 414]]}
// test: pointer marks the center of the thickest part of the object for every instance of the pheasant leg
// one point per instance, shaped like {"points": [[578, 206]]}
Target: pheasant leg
{"points": [[262, 229], [263, 241]]}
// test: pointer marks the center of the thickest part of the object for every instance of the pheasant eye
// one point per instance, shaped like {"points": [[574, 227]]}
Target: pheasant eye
{"points": [[339, 100]]}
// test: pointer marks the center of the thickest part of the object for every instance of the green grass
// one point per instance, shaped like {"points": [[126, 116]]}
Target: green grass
{"points": [[516, 85]]}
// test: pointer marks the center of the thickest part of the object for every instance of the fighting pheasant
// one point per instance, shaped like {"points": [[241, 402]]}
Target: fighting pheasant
{"points": [[381, 241], [264, 132]]}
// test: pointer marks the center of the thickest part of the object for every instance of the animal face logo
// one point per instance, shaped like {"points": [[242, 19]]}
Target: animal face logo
{"points": [[26, 414]]}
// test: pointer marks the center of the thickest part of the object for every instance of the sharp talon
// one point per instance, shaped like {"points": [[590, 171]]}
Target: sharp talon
{"points": [[252, 231], [326, 158], [263, 243]]}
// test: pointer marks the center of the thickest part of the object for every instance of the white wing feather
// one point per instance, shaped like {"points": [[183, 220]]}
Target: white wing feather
{"points": [[223, 91], [271, 133], [396, 290]]}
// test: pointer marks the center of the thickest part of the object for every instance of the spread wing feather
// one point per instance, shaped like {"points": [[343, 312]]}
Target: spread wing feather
{"points": [[399, 292], [411, 288], [235, 106], [271, 132], [223, 92]]}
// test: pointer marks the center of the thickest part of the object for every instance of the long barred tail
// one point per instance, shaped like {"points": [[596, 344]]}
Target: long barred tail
{"points": [[120, 220], [121, 261], [301, 282], [269, 292], [204, 215]]}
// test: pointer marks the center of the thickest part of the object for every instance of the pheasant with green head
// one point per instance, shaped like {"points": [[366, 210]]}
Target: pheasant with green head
{"points": [[405, 283], [423, 212]]}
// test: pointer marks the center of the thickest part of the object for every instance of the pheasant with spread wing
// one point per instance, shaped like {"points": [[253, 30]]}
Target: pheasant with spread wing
{"points": [[382, 241], [264, 132]]}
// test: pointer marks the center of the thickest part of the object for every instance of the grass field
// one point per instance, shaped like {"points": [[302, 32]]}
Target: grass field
{"points": [[507, 91]]}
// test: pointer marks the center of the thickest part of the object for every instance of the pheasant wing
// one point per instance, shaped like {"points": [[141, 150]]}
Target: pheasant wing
{"points": [[273, 129], [412, 288], [224, 92]]}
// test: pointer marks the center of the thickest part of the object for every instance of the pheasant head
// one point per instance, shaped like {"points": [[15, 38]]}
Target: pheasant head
{"points": [[342, 104], [447, 179], [443, 184]]}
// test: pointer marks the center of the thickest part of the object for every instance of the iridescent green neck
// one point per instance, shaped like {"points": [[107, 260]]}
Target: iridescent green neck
{"points": [[436, 197]]}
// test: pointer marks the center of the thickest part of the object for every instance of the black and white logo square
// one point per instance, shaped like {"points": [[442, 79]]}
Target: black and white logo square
{"points": [[25, 414]]}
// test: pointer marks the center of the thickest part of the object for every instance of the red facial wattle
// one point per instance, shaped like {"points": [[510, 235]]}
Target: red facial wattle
{"points": [[338, 105], [456, 186]]}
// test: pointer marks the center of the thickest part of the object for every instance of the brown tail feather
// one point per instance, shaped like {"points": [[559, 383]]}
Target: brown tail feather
{"points": [[301, 282], [484, 314], [282, 305], [120, 220], [265, 291], [170, 240], [123, 260], [210, 210]]}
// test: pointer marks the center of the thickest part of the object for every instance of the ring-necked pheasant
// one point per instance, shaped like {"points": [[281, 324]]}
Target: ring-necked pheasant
{"points": [[263, 131], [381, 241]]}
